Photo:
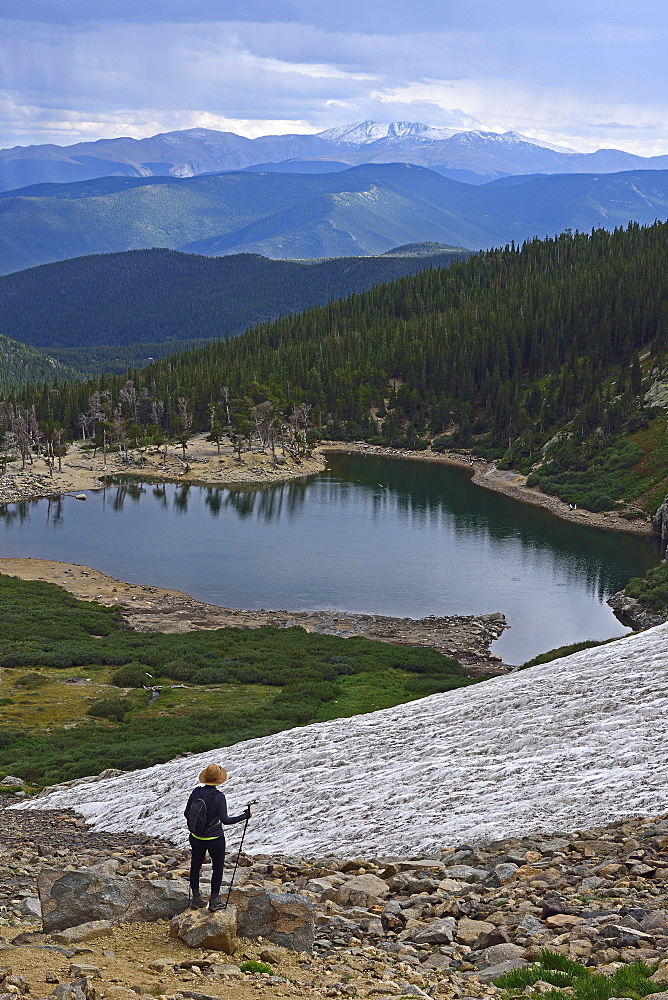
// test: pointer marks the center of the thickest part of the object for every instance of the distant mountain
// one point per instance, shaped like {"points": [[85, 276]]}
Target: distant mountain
{"points": [[196, 151], [362, 211], [154, 301]]}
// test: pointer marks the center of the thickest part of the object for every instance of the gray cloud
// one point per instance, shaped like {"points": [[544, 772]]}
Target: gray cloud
{"points": [[564, 72]]}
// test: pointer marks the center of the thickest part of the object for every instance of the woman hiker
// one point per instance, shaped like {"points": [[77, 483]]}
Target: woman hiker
{"points": [[208, 820]]}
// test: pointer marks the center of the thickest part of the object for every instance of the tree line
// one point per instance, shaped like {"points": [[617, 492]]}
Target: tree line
{"points": [[495, 352]]}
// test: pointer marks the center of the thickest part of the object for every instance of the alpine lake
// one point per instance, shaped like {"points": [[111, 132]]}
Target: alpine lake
{"points": [[376, 535]]}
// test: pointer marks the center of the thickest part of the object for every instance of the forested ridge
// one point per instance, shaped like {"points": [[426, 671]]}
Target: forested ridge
{"points": [[497, 353], [159, 296]]}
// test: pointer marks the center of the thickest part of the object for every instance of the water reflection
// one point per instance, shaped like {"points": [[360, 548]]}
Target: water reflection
{"points": [[398, 538]]}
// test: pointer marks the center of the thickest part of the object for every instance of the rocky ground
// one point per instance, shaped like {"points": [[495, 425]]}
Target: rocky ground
{"points": [[155, 609], [445, 925]]}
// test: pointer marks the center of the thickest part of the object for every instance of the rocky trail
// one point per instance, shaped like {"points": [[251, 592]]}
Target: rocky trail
{"points": [[445, 925]]}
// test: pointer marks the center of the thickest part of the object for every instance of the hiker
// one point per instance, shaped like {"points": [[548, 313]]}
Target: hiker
{"points": [[208, 821]]}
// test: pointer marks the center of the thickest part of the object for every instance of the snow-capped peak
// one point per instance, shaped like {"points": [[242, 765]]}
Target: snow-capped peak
{"points": [[369, 131]]}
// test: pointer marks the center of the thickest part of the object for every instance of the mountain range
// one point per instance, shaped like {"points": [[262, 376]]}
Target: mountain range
{"points": [[462, 155], [356, 212]]}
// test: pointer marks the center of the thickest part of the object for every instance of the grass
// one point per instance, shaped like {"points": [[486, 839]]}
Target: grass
{"points": [[74, 698], [561, 972], [559, 651]]}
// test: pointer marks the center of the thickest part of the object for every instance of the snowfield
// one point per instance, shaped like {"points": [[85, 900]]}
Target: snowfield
{"points": [[570, 744]]}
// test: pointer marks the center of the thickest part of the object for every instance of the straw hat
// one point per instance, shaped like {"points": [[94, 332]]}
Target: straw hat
{"points": [[213, 774]]}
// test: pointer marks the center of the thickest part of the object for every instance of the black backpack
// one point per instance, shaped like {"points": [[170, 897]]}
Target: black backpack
{"points": [[197, 820]]}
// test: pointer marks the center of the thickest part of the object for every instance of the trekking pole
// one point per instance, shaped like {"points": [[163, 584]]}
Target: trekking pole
{"points": [[241, 844]]}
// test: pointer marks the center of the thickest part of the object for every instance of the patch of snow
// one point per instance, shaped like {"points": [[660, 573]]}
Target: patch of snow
{"points": [[359, 133], [569, 744]]}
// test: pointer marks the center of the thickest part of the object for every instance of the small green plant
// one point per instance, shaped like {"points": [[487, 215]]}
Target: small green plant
{"points": [[252, 966], [629, 981]]}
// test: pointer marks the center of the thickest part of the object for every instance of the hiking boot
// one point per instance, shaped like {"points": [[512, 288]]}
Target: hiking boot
{"points": [[198, 901], [216, 903]]}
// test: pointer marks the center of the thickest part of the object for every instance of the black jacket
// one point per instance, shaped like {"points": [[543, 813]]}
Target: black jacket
{"points": [[216, 810]]}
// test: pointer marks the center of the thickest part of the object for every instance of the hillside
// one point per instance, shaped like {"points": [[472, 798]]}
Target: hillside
{"points": [[553, 747], [538, 357], [362, 211], [21, 365], [473, 154], [161, 297]]}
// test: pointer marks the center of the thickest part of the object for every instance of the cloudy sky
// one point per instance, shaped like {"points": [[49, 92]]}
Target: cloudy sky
{"points": [[586, 73]]}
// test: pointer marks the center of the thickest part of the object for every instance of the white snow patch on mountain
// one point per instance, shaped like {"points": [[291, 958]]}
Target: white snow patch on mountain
{"points": [[573, 743]]}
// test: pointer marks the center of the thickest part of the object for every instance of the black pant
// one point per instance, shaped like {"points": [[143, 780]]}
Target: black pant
{"points": [[216, 849]]}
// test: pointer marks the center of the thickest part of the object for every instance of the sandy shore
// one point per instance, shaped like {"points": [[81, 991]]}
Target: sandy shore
{"points": [[507, 481], [203, 466], [155, 609]]}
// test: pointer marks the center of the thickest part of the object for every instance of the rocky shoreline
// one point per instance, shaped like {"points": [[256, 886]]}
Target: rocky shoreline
{"points": [[155, 609], [205, 467], [506, 481], [446, 925]]}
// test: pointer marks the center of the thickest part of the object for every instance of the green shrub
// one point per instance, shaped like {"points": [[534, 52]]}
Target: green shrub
{"points": [[132, 675], [251, 966], [652, 589], [112, 709], [31, 681]]}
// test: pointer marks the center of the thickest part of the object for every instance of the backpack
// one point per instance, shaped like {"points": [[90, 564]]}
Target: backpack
{"points": [[197, 820]]}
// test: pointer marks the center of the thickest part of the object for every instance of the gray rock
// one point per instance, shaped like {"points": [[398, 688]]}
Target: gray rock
{"points": [[437, 932], [410, 989], [79, 969], [30, 907], [70, 898], [494, 971], [362, 890], [82, 932], [200, 929], [498, 953], [284, 918], [466, 873], [70, 991], [530, 925]]}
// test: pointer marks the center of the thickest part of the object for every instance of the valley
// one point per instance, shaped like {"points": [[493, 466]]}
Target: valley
{"points": [[333, 501]]}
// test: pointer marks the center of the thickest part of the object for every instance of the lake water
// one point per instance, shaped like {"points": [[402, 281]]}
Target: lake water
{"points": [[401, 538]]}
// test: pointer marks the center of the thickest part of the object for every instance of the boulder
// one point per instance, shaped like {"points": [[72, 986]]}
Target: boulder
{"points": [[284, 918], [530, 925], [497, 954], [466, 873], [362, 890], [82, 932], [437, 932], [494, 971], [468, 931], [200, 929], [70, 898]]}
